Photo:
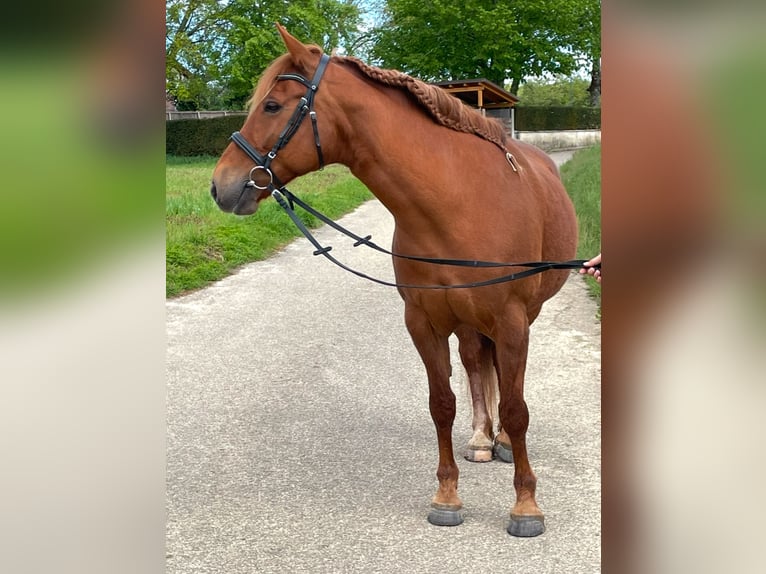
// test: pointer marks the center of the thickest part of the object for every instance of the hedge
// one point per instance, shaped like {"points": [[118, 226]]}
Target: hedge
{"points": [[200, 137], [553, 118], [211, 136]]}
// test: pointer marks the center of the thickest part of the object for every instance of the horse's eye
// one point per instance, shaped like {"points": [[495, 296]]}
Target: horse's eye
{"points": [[271, 107]]}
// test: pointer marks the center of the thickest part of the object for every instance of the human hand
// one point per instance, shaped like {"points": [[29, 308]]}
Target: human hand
{"points": [[590, 268]]}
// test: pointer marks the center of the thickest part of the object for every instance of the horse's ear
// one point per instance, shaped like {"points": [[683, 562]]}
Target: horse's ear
{"points": [[300, 53]]}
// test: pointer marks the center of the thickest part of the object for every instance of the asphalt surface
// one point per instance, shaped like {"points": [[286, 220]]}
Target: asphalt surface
{"points": [[299, 437]]}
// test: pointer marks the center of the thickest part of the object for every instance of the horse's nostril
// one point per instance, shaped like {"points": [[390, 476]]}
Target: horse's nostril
{"points": [[213, 191]]}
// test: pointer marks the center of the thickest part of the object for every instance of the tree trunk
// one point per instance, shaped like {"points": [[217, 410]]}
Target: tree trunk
{"points": [[595, 83]]}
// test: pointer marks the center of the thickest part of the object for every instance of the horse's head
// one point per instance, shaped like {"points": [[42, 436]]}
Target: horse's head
{"points": [[280, 138]]}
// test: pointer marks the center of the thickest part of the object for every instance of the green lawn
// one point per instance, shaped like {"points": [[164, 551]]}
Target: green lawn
{"points": [[204, 244], [582, 178]]}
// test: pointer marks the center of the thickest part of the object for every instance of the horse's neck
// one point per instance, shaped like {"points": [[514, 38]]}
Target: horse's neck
{"points": [[386, 150]]}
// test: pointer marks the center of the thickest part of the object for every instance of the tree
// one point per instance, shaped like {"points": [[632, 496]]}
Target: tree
{"points": [[494, 39], [194, 29], [252, 40], [216, 49], [591, 24], [563, 91]]}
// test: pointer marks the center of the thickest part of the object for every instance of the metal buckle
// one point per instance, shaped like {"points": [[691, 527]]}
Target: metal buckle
{"points": [[511, 160], [252, 183]]}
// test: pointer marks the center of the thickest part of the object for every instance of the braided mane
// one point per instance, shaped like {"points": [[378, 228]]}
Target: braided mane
{"points": [[444, 108]]}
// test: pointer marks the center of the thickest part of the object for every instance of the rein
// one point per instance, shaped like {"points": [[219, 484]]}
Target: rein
{"points": [[287, 201]]}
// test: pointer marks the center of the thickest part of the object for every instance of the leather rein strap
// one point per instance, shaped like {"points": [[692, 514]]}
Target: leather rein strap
{"points": [[287, 200]]}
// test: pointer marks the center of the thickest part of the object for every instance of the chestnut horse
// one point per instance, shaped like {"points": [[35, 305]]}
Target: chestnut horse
{"points": [[457, 187]]}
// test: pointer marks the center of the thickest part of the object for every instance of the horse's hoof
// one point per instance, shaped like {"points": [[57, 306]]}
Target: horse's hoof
{"points": [[503, 452], [478, 454], [526, 526], [444, 517]]}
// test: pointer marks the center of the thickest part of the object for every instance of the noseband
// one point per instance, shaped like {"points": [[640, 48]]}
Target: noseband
{"points": [[305, 107]]}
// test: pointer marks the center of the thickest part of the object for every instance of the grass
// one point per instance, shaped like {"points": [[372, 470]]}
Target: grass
{"points": [[204, 244], [582, 178]]}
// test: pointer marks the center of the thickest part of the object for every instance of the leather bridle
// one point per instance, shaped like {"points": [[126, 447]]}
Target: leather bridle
{"points": [[305, 108]]}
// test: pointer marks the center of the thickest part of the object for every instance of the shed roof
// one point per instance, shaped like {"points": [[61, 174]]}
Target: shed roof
{"points": [[480, 93]]}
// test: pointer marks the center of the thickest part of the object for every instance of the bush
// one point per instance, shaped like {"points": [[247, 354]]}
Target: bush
{"points": [[200, 137], [555, 118]]}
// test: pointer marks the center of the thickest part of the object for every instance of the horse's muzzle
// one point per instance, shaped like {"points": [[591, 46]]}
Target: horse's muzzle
{"points": [[225, 201], [242, 201]]}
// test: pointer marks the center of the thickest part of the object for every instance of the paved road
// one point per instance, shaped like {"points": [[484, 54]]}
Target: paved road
{"points": [[299, 438]]}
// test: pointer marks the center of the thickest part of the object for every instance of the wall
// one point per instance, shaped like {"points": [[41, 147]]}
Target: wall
{"points": [[170, 115], [554, 141]]}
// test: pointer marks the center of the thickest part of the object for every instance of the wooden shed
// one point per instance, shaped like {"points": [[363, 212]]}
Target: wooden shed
{"points": [[486, 96]]}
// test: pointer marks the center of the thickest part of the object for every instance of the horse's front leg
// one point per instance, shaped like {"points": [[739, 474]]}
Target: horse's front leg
{"points": [[434, 351], [526, 517]]}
